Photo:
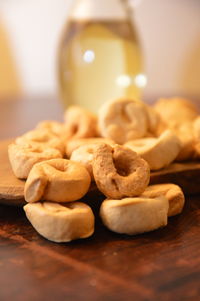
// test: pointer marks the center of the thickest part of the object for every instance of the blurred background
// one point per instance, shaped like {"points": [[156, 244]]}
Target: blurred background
{"points": [[30, 31]]}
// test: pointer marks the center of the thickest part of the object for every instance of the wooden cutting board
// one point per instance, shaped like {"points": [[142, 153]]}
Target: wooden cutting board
{"points": [[11, 189], [186, 175]]}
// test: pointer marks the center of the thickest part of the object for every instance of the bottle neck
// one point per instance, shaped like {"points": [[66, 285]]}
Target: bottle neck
{"points": [[99, 10]]}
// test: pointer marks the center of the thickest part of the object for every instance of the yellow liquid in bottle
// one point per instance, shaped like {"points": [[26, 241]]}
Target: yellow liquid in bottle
{"points": [[99, 61]]}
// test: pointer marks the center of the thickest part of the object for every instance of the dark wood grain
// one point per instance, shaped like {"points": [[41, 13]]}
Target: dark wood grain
{"points": [[161, 265]]}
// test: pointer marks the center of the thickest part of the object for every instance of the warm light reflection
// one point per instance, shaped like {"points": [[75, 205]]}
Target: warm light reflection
{"points": [[89, 56], [140, 80], [124, 80]]}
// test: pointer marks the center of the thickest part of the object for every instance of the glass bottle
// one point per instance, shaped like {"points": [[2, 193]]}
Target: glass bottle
{"points": [[100, 56]]}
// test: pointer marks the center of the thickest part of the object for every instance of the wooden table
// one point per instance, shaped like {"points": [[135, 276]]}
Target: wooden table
{"points": [[161, 265]]}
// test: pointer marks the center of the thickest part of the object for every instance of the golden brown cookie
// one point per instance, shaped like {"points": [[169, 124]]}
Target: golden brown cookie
{"points": [[119, 172], [185, 133], [80, 123], [75, 143], [57, 180], [41, 137], [122, 120], [156, 126], [85, 155], [176, 111], [158, 152], [22, 158], [61, 223], [134, 215], [172, 192], [54, 127]]}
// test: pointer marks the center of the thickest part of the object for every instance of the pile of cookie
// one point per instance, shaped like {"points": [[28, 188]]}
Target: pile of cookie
{"points": [[116, 151]]}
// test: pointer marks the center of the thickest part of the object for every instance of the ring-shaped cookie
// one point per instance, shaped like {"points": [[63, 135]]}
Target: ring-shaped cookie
{"points": [[158, 152], [41, 137], [122, 120], [172, 192], [61, 223], [22, 158], [85, 155], [185, 133], [176, 111], [134, 215], [75, 143], [54, 127], [119, 172], [80, 123], [57, 180]]}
